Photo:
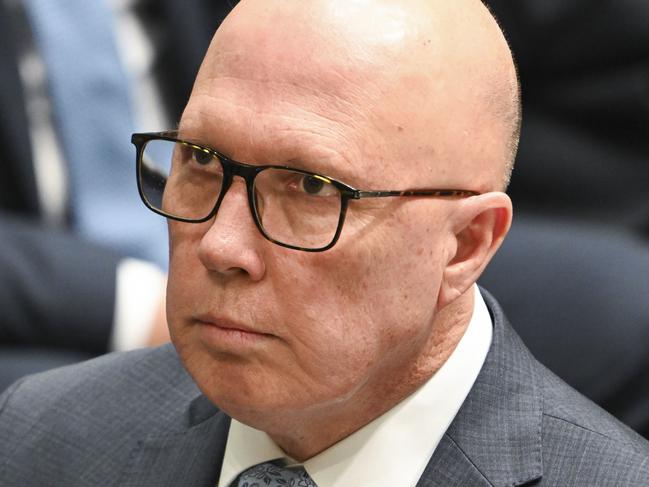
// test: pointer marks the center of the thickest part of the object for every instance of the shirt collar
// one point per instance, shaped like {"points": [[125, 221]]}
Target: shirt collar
{"points": [[407, 435]]}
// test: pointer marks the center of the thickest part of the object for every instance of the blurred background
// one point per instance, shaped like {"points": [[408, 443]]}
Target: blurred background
{"points": [[573, 275], [82, 262]]}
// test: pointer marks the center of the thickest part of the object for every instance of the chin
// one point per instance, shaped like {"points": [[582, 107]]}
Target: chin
{"points": [[231, 385]]}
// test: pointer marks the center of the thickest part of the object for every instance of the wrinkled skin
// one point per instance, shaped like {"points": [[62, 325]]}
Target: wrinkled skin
{"points": [[382, 94]]}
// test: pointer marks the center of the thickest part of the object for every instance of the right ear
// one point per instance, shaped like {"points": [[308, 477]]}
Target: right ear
{"points": [[479, 226]]}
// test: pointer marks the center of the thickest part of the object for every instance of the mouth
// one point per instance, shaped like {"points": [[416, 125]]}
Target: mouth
{"points": [[223, 333]]}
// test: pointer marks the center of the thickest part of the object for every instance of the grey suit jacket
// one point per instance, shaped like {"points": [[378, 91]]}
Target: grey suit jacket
{"points": [[137, 419]]}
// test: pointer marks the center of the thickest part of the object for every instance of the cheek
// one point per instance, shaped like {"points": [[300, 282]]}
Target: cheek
{"points": [[350, 307], [344, 315], [323, 355], [324, 322], [392, 270], [323, 319], [184, 271]]}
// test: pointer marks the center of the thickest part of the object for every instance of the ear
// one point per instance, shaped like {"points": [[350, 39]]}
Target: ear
{"points": [[479, 226]]}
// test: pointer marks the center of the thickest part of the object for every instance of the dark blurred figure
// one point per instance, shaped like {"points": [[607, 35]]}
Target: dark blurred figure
{"points": [[58, 291], [583, 158], [584, 67]]}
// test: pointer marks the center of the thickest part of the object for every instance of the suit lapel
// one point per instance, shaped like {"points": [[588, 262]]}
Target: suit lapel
{"points": [[191, 457], [495, 439], [450, 467]]}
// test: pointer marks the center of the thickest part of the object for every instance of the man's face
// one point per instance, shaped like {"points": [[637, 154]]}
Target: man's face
{"points": [[267, 330]]}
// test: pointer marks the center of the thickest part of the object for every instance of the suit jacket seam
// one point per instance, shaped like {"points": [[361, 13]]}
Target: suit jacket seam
{"points": [[10, 393], [468, 458], [564, 420], [511, 484]]}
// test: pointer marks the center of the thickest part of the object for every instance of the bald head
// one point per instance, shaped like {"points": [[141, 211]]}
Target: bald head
{"points": [[432, 81], [377, 94]]}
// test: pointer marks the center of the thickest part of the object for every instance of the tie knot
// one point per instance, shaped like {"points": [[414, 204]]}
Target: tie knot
{"points": [[272, 475]]}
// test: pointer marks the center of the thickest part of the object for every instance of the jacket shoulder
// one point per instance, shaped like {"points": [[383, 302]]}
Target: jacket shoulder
{"points": [[96, 411], [572, 440], [579, 436]]}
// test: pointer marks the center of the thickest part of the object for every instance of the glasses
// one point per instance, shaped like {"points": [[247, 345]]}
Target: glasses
{"points": [[293, 208]]}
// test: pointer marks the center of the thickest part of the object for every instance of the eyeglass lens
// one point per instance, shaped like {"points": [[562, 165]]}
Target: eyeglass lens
{"points": [[292, 207]]}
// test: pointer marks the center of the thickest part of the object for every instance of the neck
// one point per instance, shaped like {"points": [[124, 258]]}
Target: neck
{"points": [[303, 435]]}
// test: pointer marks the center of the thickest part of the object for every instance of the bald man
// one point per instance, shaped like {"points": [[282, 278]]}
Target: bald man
{"points": [[334, 190]]}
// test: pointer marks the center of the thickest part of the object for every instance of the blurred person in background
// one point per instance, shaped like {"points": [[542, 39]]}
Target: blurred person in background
{"points": [[82, 264], [580, 238], [584, 148]]}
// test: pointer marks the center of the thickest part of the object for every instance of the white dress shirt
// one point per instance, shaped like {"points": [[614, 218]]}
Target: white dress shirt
{"points": [[395, 448]]}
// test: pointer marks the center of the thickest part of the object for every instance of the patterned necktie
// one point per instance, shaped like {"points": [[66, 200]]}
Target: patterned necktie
{"points": [[92, 111], [271, 475]]}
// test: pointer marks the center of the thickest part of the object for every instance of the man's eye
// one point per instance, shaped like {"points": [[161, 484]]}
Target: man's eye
{"points": [[312, 185], [202, 157], [316, 186]]}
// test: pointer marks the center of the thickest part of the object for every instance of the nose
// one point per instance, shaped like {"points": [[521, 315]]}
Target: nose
{"points": [[232, 243]]}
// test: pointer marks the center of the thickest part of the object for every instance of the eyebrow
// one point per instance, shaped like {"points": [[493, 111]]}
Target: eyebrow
{"points": [[324, 167], [312, 164], [300, 163]]}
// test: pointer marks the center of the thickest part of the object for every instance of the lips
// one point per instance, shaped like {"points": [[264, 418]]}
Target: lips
{"points": [[227, 324]]}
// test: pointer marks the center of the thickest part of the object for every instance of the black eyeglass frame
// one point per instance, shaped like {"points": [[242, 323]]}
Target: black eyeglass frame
{"points": [[249, 172]]}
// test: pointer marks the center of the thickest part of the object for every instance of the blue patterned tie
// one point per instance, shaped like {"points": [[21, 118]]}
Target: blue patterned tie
{"points": [[272, 475], [92, 112]]}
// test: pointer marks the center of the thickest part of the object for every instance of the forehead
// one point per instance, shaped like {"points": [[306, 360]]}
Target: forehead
{"points": [[262, 112], [266, 125], [281, 105]]}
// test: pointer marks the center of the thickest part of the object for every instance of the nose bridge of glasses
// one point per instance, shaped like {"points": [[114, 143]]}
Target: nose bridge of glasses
{"points": [[246, 172], [233, 200], [235, 168]]}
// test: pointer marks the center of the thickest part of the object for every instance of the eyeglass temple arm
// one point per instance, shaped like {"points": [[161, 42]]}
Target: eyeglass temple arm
{"points": [[416, 192]]}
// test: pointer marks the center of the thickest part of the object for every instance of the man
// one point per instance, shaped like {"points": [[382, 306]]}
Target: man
{"points": [[336, 328]]}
